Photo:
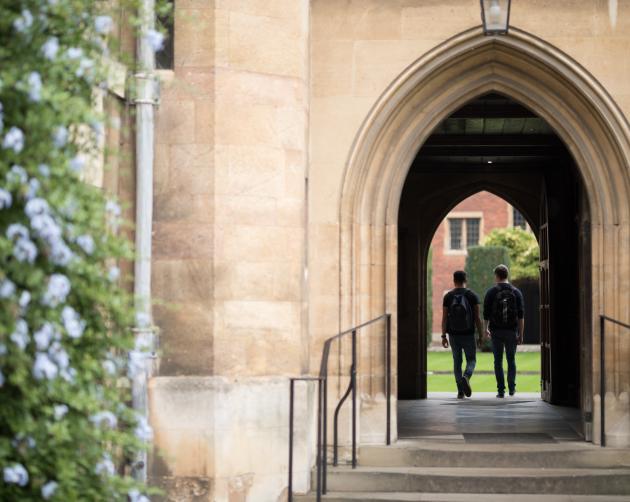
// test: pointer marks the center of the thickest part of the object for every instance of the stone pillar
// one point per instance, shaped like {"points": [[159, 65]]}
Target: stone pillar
{"points": [[229, 249]]}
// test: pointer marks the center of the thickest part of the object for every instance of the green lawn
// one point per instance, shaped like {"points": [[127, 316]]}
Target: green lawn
{"points": [[443, 361]]}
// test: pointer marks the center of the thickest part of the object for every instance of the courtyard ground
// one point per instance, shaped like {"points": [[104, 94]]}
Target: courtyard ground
{"points": [[440, 372]]}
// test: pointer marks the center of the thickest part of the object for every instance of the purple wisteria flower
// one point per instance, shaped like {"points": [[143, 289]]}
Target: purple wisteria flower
{"points": [[17, 231], [59, 411], [49, 489], [103, 24], [24, 22], [16, 474], [61, 253], [46, 227], [106, 418], [77, 163], [44, 367], [155, 40], [33, 188], [109, 366], [112, 208], [25, 299], [35, 86], [135, 496], [20, 334], [85, 66], [74, 52], [105, 466], [7, 288], [50, 48], [13, 140], [17, 175], [45, 335], [59, 355], [6, 200], [72, 322], [36, 206], [44, 170], [22, 439], [86, 242], [60, 136], [113, 273], [25, 250], [57, 290]]}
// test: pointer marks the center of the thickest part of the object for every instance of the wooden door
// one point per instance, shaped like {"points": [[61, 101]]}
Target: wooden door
{"points": [[545, 299]]}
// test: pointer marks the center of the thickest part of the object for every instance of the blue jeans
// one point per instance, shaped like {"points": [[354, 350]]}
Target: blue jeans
{"points": [[504, 339], [468, 345]]}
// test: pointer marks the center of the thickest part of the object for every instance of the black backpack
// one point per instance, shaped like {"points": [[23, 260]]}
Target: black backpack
{"points": [[460, 319], [504, 308]]}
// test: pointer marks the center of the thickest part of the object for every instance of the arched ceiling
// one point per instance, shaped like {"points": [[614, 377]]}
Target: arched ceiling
{"points": [[491, 132]]}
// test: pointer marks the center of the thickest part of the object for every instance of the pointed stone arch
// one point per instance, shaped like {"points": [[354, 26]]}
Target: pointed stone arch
{"points": [[545, 80]]}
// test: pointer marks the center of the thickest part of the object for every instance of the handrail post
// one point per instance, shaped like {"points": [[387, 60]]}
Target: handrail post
{"points": [[388, 377], [319, 440], [325, 431], [354, 398], [291, 398], [602, 380]]}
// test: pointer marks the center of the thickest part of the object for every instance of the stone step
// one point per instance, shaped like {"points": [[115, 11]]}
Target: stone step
{"points": [[480, 480], [433, 454], [456, 497]]}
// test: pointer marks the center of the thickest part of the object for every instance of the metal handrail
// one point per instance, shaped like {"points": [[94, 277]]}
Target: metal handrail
{"points": [[322, 403], [602, 370]]}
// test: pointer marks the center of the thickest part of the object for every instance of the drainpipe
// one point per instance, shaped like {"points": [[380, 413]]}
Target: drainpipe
{"points": [[145, 101]]}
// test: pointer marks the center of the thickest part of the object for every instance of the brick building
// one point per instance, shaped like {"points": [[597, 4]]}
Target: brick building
{"points": [[463, 227]]}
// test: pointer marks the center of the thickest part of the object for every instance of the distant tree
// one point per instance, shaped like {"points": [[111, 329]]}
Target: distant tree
{"points": [[522, 248]]}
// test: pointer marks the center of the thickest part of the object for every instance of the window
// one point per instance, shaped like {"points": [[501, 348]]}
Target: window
{"points": [[164, 58], [455, 226], [463, 233], [518, 219]]}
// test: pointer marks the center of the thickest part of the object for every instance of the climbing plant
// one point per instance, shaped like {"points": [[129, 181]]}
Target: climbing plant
{"points": [[66, 346]]}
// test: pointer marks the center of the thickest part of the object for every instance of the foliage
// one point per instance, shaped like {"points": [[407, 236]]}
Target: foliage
{"points": [[522, 248], [64, 318], [430, 296]]}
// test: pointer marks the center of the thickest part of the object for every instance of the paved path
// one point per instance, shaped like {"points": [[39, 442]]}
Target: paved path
{"points": [[524, 418]]}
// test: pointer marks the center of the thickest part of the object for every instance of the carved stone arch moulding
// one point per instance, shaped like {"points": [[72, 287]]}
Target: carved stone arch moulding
{"points": [[528, 70]]}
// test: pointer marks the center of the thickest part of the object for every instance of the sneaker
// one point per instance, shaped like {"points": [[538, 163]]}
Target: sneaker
{"points": [[466, 386], [460, 395], [512, 392], [500, 395]]}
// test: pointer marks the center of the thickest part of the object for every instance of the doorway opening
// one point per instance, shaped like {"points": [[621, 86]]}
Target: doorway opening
{"points": [[495, 144], [477, 234]]}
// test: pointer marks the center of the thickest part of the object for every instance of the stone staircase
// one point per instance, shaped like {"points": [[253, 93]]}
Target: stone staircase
{"points": [[430, 470]]}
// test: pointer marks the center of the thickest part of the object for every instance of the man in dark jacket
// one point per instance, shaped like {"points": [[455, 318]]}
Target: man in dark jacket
{"points": [[460, 315], [503, 309]]}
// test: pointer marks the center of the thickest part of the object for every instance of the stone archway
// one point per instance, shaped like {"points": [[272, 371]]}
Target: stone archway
{"points": [[555, 87]]}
